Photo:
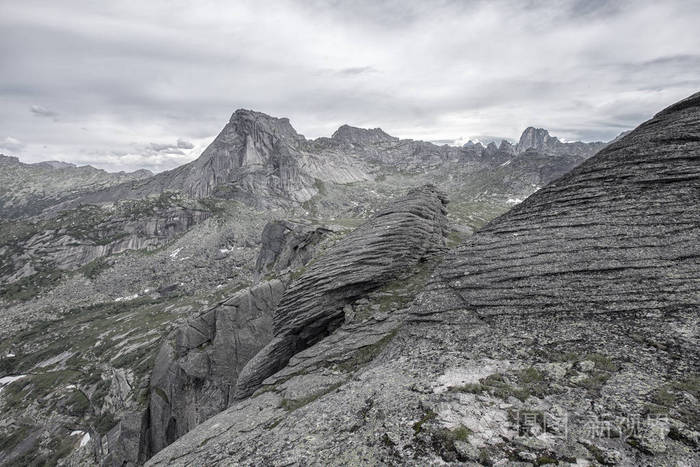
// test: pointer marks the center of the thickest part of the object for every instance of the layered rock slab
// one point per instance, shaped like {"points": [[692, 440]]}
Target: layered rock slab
{"points": [[397, 238], [617, 234], [451, 385]]}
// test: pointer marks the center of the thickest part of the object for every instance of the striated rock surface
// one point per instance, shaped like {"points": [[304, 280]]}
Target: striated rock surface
{"points": [[196, 369], [399, 237], [563, 332]]}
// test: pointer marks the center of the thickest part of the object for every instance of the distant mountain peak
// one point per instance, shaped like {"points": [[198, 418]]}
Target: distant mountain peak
{"points": [[354, 135], [55, 164], [535, 138], [249, 122], [8, 159], [540, 140]]}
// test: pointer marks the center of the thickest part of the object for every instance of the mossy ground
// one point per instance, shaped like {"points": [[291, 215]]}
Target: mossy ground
{"points": [[95, 339]]}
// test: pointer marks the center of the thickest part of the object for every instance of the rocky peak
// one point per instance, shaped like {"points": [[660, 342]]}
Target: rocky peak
{"points": [[535, 138], [362, 136], [55, 164], [473, 144], [250, 122], [8, 159], [505, 146]]}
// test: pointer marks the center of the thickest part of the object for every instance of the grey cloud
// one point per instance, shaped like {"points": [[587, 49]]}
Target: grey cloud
{"points": [[166, 148], [40, 111], [437, 70], [184, 144], [359, 70], [11, 144]]}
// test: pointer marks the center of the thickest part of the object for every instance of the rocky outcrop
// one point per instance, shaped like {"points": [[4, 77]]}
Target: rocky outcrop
{"points": [[361, 136], [28, 189], [401, 236], [565, 331], [196, 369], [286, 246], [626, 213], [539, 139], [74, 238]]}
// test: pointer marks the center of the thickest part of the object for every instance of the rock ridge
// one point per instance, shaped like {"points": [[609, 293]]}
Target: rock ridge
{"points": [[403, 234]]}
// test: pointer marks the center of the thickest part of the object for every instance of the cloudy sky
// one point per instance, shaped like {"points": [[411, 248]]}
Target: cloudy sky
{"points": [[134, 84]]}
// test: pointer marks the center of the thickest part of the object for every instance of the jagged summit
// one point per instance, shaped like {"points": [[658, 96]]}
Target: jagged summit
{"points": [[354, 135], [535, 138], [249, 122], [540, 140]]}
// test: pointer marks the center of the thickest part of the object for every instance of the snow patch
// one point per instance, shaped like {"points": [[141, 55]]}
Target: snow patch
{"points": [[5, 380], [514, 201], [127, 298], [9, 355], [174, 254]]}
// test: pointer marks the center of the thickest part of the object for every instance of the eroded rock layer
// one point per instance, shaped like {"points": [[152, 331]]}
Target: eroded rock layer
{"points": [[397, 238], [617, 234]]}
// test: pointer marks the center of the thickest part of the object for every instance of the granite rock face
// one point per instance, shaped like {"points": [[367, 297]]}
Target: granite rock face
{"points": [[565, 331], [197, 366], [405, 233], [286, 246]]}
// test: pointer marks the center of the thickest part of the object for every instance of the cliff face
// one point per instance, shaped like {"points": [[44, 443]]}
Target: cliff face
{"points": [[196, 368], [563, 331], [206, 362]]}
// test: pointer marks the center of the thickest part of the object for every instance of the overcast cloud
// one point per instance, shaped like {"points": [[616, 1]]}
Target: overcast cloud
{"points": [[134, 84]]}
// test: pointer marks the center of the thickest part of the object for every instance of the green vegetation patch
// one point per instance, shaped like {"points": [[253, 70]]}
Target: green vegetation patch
{"points": [[521, 385], [291, 405], [365, 354]]}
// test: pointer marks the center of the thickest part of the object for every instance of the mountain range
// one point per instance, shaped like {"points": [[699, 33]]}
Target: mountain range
{"points": [[356, 299]]}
